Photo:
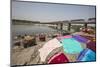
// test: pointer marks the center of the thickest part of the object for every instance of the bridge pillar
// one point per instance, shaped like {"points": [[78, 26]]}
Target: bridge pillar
{"points": [[61, 26], [85, 25], [56, 26], [69, 26]]}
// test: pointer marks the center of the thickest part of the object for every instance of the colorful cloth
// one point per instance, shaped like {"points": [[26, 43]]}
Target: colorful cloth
{"points": [[71, 45], [92, 45], [48, 47], [62, 37], [87, 55], [80, 38], [58, 58]]}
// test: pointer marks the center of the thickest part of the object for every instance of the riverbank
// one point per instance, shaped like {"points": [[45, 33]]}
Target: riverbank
{"points": [[29, 55]]}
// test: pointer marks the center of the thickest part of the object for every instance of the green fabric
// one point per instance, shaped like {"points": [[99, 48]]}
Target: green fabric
{"points": [[71, 45]]}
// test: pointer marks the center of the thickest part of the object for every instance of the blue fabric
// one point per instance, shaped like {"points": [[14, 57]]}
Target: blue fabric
{"points": [[87, 55], [71, 45]]}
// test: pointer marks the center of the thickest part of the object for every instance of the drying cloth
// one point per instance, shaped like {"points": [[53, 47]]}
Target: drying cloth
{"points": [[58, 58], [48, 47], [71, 45], [80, 38], [87, 55]]}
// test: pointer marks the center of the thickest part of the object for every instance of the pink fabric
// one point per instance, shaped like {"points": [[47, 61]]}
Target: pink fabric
{"points": [[67, 36], [58, 58], [62, 37]]}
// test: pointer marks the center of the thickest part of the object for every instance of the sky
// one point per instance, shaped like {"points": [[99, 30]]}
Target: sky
{"points": [[45, 12]]}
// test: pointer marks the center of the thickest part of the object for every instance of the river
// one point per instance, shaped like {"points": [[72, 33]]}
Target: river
{"points": [[31, 29], [34, 29]]}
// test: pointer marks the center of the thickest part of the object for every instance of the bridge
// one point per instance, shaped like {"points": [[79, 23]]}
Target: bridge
{"points": [[60, 23]]}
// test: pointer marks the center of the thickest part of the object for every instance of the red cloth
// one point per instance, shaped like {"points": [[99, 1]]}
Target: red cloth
{"points": [[58, 58]]}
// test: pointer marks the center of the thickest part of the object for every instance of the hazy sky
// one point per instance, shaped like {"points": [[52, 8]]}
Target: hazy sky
{"points": [[50, 12]]}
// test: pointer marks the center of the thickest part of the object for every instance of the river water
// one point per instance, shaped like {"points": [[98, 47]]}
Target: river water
{"points": [[31, 29]]}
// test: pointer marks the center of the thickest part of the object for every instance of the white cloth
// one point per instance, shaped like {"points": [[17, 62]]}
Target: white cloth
{"points": [[48, 47]]}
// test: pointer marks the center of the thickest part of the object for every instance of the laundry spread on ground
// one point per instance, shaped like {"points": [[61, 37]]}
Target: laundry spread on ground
{"points": [[71, 45], [74, 47], [87, 55], [58, 58], [80, 38], [48, 47]]}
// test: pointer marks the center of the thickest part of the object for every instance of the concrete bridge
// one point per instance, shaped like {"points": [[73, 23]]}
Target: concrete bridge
{"points": [[61, 23], [70, 22]]}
